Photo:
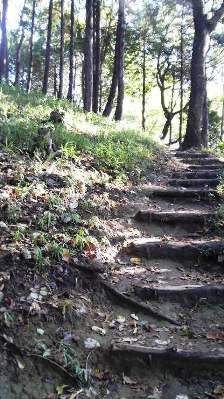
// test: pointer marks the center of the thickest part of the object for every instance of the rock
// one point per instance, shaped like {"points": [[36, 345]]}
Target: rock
{"points": [[91, 343], [99, 330]]}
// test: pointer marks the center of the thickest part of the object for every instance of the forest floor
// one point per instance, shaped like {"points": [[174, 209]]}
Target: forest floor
{"points": [[99, 300]]}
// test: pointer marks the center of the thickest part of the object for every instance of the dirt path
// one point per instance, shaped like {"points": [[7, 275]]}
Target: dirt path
{"points": [[176, 268], [144, 321]]}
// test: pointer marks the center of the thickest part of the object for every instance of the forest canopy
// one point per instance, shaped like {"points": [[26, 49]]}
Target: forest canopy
{"points": [[158, 64]]}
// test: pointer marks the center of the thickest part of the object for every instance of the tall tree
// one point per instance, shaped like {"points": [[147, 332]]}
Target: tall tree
{"points": [[48, 48], [62, 40], [71, 52], [120, 62], [143, 80], [88, 57], [4, 45], [117, 67], [30, 62], [96, 55], [203, 27], [19, 45]]}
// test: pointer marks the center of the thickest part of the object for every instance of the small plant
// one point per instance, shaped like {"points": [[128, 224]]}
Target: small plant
{"points": [[82, 239], [72, 363], [68, 309], [8, 319], [56, 250], [68, 151], [12, 213], [55, 201], [47, 220], [39, 258], [17, 235]]}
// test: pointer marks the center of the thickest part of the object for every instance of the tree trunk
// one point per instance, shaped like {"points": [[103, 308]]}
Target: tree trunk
{"points": [[88, 57], [172, 109], [143, 82], [71, 53], [30, 62], [205, 122], [55, 81], [114, 82], [3, 46], [222, 120], [181, 75], [203, 28], [120, 62], [48, 48], [62, 40], [96, 55], [19, 47]]}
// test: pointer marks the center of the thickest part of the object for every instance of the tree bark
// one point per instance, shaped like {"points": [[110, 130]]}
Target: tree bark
{"points": [[62, 40], [120, 62], [181, 75], [30, 62], [114, 82], [203, 28], [71, 53], [143, 82], [88, 57], [222, 118], [205, 122], [55, 81], [3, 46], [19, 47], [96, 55], [48, 49]]}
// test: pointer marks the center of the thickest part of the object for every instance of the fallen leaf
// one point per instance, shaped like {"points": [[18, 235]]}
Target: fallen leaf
{"points": [[136, 261], [128, 380], [99, 330]]}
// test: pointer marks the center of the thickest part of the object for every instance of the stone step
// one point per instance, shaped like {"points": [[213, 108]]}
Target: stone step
{"points": [[180, 192], [192, 154], [196, 251], [172, 217], [202, 161], [194, 182], [201, 174], [190, 359], [206, 167], [188, 294]]}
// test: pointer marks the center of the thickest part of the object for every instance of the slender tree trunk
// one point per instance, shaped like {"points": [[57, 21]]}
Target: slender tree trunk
{"points": [[205, 122], [120, 63], [114, 82], [96, 55], [203, 28], [4, 45], [143, 82], [88, 57], [30, 62], [193, 136], [48, 48], [19, 47], [181, 75], [172, 109], [222, 118], [62, 40], [55, 81], [71, 52]]}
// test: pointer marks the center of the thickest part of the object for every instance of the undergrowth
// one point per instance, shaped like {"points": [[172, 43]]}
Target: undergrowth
{"points": [[114, 146]]}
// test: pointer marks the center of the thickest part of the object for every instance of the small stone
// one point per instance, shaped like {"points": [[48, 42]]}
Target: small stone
{"points": [[3, 225], [91, 343], [33, 295]]}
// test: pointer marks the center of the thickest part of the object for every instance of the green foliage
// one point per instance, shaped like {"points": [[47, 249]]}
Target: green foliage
{"points": [[115, 147]]}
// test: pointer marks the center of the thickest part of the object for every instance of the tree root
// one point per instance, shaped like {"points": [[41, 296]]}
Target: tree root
{"points": [[170, 354], [146, 309]]}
